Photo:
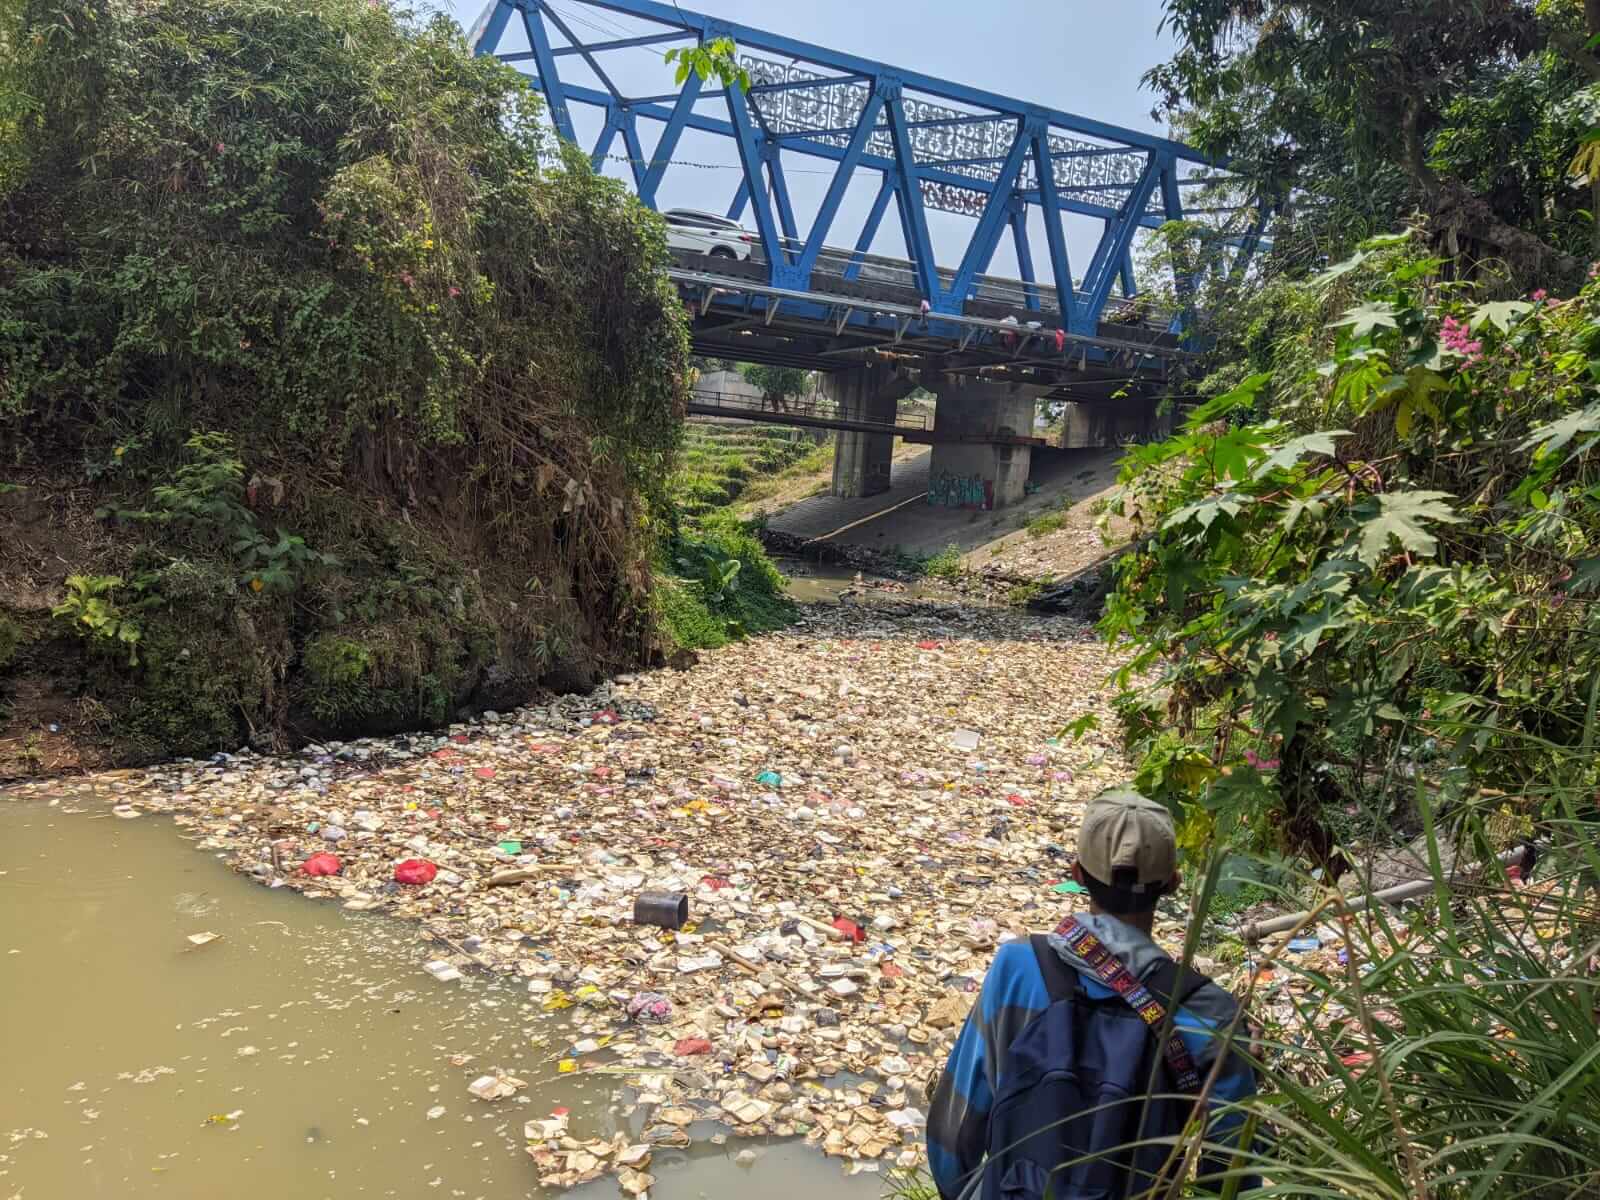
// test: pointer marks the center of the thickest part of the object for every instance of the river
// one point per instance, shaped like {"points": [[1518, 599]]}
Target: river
{"points": [[302, 1053]]}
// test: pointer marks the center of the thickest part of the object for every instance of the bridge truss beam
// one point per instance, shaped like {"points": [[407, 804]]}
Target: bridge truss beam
{"points": [[933, 143]]}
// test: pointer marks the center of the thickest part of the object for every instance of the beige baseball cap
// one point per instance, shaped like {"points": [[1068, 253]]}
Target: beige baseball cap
{"points": [[1124, 829]]}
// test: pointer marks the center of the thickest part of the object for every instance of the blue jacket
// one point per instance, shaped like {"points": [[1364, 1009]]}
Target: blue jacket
{"points": [[1014, 993]]}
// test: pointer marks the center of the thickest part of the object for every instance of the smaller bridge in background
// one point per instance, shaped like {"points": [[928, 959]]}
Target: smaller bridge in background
{"points": [[818, 412]]}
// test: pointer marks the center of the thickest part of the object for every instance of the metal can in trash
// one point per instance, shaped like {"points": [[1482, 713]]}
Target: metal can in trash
{"points": [[670, 910]]}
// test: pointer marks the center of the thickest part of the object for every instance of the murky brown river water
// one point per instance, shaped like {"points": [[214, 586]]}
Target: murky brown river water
{"points": [[298, 1056]]}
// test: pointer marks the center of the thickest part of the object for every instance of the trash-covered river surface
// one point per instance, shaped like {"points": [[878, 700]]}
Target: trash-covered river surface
{"points": [[170, 1030]]}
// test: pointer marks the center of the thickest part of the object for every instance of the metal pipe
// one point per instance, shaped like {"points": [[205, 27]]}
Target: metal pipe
{"points": [[1400, 891]]}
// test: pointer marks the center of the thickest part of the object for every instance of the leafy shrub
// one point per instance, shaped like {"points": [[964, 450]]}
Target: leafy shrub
{"points": [[12, 639], [726, 586], [205, 506], [1345, 562], [1045, 523], [92, 610], [944, 565], [304, 291], [1020, 595]]}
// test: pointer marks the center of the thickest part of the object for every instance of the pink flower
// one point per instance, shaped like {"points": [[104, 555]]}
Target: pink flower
{"points": [[1539, 296], [405, 278], [1457, 337], [1259, 763], [220, 147], [454, 292]]}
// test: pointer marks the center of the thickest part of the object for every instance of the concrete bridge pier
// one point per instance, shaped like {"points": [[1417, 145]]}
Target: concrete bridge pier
{"points": [[869, 392], [968, 469], [1113, 422]]}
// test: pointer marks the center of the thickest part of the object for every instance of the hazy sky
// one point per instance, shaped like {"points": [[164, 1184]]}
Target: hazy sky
{"points": [[1081, 56]]}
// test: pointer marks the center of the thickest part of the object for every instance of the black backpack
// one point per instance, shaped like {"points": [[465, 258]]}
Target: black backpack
{"points": [[1079, 1085]]}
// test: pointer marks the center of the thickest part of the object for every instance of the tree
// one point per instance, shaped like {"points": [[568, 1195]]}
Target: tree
{"points": [[1350, 115], [777, 384]]}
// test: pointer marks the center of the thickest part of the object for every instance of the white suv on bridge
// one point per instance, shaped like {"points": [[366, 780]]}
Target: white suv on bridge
{"points": [[706, 233]]}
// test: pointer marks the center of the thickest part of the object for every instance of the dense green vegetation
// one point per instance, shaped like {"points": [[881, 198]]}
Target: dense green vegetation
{"points": [[717, 584], [1374, 541], [1363, 599], [1345, 118], [1383, 550], [312, 369], [720, 464]]}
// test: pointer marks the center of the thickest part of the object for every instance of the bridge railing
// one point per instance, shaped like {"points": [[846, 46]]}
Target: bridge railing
{"points": [[835, 262], [813, 407]]}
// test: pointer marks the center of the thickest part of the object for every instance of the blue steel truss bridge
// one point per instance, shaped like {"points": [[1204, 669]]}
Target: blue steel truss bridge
{"points": [[885, 144]]}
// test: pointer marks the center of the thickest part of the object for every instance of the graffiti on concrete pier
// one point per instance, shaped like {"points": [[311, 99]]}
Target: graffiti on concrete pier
{"points": [[960, 491]]}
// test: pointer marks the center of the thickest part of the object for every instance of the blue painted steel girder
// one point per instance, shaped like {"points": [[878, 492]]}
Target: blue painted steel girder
{"points": [[1041, 138]]}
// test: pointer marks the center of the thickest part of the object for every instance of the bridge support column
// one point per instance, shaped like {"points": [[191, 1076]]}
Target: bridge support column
{"points": [[968, 471], [1113, 422], [868, 393]]}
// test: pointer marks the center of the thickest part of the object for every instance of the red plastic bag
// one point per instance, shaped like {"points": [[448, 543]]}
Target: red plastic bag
{"points": [[415, 871], [685, 1047], [850, 929], [322, 864]]}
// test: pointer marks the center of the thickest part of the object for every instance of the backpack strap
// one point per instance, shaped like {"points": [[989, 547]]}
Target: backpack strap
{"points": [[1163, 983], [1109, 970], [1060, 980]]}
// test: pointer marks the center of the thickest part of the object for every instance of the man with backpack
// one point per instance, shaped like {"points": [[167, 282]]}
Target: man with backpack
{"points": [[1061, 1068]]}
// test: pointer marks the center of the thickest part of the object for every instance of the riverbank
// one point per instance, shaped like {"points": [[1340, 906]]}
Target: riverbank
{"points": [[858, 809]]}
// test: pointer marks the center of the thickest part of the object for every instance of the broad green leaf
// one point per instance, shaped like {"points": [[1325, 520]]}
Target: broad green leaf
{"points": [[1234, 452], [1363, 319], [1286, 455], [1338, 269], [1329, 581], [1549, 438], [1502, 314], [1295, 509], [1309, 630], [1355, 386], [1242, 791], [1423, 382], [1354, 708], [1230, 401], [1283, 702], [1585, 576], [1184, 574], [1417, 269], [1399, 516], [1079, 729], [1204, 511]]}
